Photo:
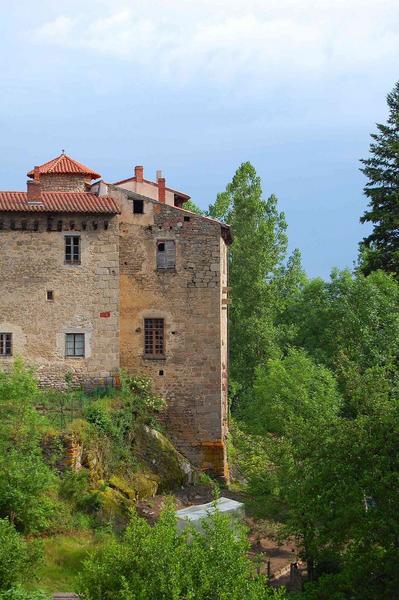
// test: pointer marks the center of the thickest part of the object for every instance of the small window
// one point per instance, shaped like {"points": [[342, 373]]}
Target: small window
{"points": [[166, 254], [5, 344], [154, 337], [186, 218], [138, 207], [75, 344], [72, 249], [50, 295]]}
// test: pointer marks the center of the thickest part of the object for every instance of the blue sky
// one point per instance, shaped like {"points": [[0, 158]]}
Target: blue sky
{"points": [[196, 88]]}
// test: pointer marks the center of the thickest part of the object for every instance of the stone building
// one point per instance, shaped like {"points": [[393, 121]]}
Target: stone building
{"points": [[98, 277]]}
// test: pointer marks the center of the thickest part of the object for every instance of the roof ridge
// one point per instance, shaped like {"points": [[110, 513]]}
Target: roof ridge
{"points": [[65, 165]]}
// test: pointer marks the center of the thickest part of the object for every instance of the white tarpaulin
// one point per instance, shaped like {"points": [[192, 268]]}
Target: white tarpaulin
{"points": [[195, 514]]}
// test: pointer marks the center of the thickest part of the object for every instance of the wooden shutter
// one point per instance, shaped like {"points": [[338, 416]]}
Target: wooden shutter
{"points": [[170, 251], [166, 254]]}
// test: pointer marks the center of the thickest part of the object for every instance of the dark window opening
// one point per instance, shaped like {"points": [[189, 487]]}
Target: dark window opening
{"points": [[1, 225], [59, 225], [138, 207], [72, 225], [72, 249], [154, 338], [5, 344], [49, 225], [106, 225], [166, 255], [36, 226], [161, 372], [95, 225], [84, 226], [75, 344], [50, 295], [186, 218]]}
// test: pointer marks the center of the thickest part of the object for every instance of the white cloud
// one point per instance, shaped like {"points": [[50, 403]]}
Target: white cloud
{"points": [[223, 40]]}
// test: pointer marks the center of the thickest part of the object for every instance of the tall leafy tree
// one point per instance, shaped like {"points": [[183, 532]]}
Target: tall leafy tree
{"points": [[260, 278], [380, 250]]}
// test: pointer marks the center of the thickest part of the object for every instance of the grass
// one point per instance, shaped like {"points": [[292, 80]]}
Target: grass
{"points": [[63, 556]]}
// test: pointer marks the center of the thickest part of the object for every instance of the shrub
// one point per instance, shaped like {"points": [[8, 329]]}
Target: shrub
{"points": [[159, 562], [16, 555], [18, 593], [290, 388]]}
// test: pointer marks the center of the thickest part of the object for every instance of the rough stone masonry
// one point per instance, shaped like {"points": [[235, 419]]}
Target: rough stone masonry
{"points": [[98, 277]]}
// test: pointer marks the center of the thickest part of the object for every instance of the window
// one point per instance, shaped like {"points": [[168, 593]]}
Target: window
{"points": [[5, 344], [72, 249], [75, 344], [166, 254], [154, 344], [138, 207], [50, 295]]}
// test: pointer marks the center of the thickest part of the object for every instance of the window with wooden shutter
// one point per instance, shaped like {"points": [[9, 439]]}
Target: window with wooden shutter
{"points": [[166, 255]]}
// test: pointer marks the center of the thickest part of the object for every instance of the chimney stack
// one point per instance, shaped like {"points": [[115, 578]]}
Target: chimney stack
{"points": [[34, 188], [139, 173], [161, 190]]}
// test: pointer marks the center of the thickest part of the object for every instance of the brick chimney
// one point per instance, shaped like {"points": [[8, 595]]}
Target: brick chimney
{"points": [[139, 173], [34, 188], [161, 190]]}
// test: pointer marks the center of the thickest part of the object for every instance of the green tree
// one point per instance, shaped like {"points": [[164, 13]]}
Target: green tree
{"points": [[159, 562], [351, 325], [291, 388], [25, 479], [16, 557], [380, 250], [260, 279]]}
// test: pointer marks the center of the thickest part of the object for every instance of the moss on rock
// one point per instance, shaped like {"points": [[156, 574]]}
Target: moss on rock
{"points": [[157, 454]]}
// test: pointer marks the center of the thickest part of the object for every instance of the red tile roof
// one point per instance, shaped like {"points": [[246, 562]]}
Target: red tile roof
{"points": [[65, 165], [59, 202]]}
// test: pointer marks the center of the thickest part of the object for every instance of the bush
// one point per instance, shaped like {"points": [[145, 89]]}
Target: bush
{"points": [[159, 562], [18, 593], [290, 388], [15, 555]]}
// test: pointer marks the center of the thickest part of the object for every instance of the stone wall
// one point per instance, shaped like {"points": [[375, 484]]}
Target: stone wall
{"points": [[63, 183], [193, 373], [86, 296]]}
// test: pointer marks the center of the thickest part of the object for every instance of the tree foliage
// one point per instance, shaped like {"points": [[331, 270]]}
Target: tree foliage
{"points": [[380, 250], [25, 479], [292, 388], [260, 279], [159, 562]]}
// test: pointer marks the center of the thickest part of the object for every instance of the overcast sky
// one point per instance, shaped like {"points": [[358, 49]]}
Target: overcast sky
{"points": [[195, 88]]}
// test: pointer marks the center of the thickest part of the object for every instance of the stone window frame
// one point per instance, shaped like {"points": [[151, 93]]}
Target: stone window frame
{"points": [[154, 338], [166, 258], [5, 344], [72, 260], [73, 337]]}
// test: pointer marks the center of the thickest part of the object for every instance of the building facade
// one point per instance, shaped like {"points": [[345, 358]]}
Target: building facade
{"points": [[102, 277]]}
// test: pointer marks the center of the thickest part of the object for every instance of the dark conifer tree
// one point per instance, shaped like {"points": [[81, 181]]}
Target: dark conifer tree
{"points": [[380, 250]]}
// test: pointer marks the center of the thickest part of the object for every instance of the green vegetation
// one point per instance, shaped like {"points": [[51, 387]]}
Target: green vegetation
{"points": [[158, 562], [380, 250]]}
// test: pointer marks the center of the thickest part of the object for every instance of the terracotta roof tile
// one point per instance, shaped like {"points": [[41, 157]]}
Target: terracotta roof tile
{"points": [[58, 202], [65, 165]]}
